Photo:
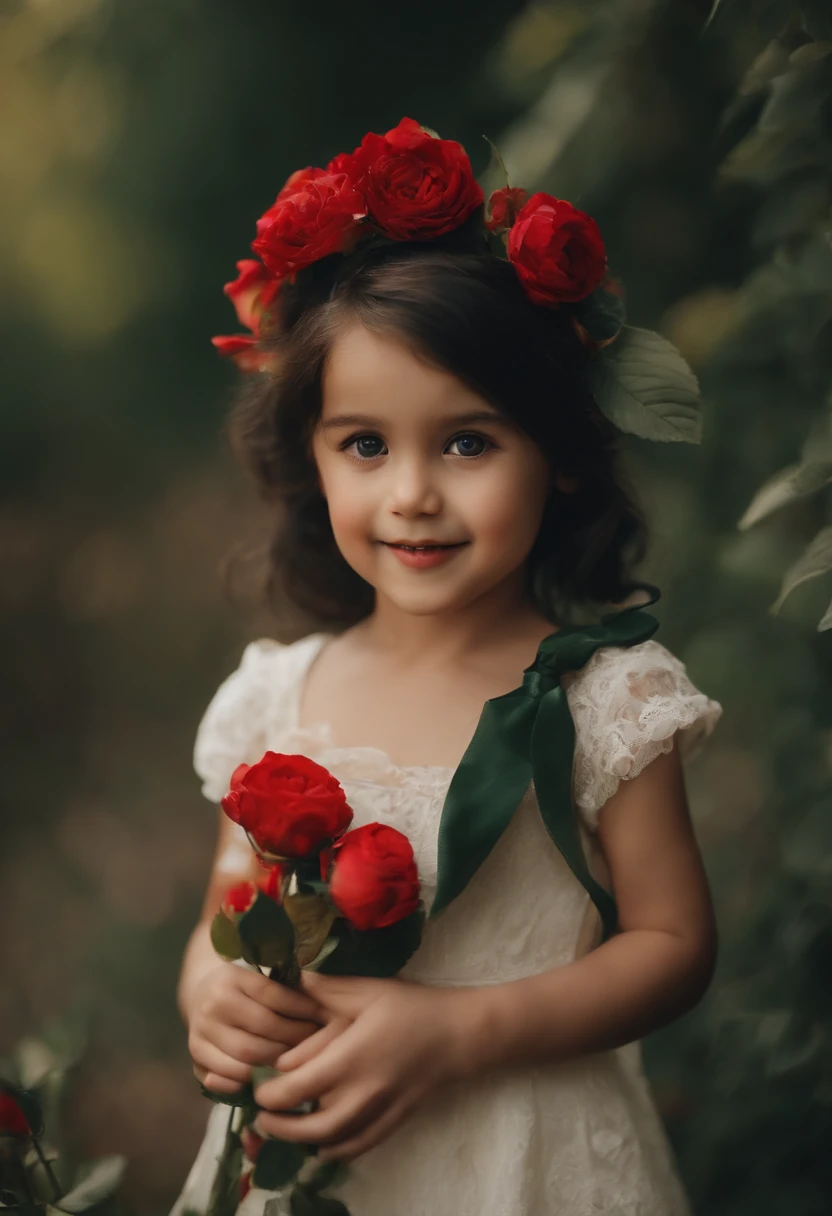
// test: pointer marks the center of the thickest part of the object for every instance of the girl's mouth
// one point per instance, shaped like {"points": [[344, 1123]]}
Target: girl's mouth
{"points": [[424, 556]]}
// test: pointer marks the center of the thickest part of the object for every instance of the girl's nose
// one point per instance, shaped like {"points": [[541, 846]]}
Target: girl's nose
{"points": [[413, 489]]}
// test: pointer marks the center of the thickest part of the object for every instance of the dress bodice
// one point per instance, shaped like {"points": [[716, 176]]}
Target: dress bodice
{"points": [[524, 911]]}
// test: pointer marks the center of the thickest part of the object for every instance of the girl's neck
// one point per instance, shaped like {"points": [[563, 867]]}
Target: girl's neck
{"points": [[502, 616]]}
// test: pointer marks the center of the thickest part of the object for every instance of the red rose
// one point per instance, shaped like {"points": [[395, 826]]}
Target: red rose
{"points": [[374, 881], [13, 1122], [417, 186], [316, 216], [252, 292], [557, 251], [252, 1143], [289, 805], [297, 180], [239, 899], [270, 882], [503, 207]]}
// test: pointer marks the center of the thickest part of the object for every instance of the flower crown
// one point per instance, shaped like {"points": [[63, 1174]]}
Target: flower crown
{"points": [[410, 185]]}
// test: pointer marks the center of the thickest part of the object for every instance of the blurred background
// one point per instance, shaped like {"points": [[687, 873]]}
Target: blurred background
{"points": [[138, 144]]}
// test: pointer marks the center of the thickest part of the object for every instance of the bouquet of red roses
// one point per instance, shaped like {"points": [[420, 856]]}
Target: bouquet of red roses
{"points": [[331, 899]]}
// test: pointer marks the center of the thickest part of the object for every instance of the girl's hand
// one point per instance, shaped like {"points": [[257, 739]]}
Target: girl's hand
{"points": [[239, 1018], [386, 1045]]}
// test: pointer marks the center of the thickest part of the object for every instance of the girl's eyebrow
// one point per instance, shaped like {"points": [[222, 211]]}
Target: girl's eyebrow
{"points": [[468, 419]]}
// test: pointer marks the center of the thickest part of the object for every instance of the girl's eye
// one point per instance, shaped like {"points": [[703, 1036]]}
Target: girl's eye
{"points": [[368, 447], [481, 445]]}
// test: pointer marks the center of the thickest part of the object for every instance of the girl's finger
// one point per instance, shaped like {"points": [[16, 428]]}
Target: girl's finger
{"points": [[309, 1048], [277, 997], [246, 1049], [345, 1119], [309, 1081], [255, 1019], [375, 1133], [210, 1059]]}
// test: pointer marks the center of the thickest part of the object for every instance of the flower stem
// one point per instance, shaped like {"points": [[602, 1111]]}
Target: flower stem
{"points": [[50, 1173]]}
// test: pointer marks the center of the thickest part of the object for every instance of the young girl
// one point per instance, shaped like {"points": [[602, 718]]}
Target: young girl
{"points": [[448, 494]]}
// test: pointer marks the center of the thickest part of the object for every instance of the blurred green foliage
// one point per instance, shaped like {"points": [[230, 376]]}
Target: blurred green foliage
{"points": [[140, 141]]}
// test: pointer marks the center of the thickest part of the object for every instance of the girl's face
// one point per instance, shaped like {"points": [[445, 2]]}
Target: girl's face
{"points": [[407, 455]]}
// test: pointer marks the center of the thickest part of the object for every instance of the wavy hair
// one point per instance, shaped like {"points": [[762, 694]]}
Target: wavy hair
{"points": [[464, 312]]}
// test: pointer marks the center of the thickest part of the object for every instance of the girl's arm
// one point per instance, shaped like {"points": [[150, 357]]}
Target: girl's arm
{"points": [[397, 1040], [236, 1017], [655, 969], [230, 866]]}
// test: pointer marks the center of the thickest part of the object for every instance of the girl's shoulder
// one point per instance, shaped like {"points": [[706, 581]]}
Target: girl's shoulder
{"points": [[627, 703], [249, 705]]}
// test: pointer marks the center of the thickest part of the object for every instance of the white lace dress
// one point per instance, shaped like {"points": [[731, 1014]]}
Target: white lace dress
{"points": [[577, 1139]]}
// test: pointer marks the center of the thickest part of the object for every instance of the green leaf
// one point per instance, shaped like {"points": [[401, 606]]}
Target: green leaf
{"points": [[278, 1162], [266, 933], [826, 620], [100, 1182], [34, 1062], [815, 561], [602, 314], [375, 952], [646, 388], [261, 1073], [312, 917], [303, 1201], [326, 949], [327, 1173], [224, 936], [784, 487], [711, 15], [796, 101], [240, 1097]]}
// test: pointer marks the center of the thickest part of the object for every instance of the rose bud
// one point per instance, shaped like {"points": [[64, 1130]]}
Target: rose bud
{"points": [[270, 882], [13, 1122], [252, 1143], [374, 881], [290, 806], [239, 899], [503, 207]]}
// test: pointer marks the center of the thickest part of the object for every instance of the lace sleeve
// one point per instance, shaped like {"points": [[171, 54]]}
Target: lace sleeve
{"points": [[232, 730], [627, 703]]}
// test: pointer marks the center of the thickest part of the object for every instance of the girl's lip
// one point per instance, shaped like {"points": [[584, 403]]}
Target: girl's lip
{"points": [[424, 558]]}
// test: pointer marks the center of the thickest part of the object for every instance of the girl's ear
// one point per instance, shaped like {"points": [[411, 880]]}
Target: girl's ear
{"points": [[564, 483]]}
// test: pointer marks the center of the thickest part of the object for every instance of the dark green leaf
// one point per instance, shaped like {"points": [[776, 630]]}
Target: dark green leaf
{"points": [[328, 1173], [312, 917], [278, 1162], [815, 561], [826, 620], [784, 487], [224, 936], [304, 1201], [267, 933], [602, 314], [101, 1181], [646, 388], [241, 1097], [376, 952]]}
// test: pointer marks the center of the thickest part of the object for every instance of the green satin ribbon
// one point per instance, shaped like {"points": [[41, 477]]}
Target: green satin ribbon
{"points": [[523, 736]]}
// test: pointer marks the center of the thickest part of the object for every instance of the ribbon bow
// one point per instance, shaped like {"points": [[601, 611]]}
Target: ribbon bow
{"points": [[528, 735]]}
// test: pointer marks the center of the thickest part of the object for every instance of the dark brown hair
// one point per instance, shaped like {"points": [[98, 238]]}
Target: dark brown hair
{"points": [[466, 313]]}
